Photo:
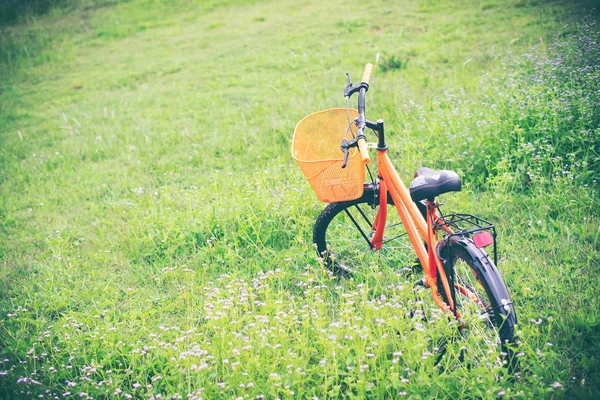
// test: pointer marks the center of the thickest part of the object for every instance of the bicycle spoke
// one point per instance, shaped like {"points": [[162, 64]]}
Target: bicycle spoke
{"points": [[350, 229], [481, 335], [395, 237], [359, 228], [394, 225], [363, 215]]}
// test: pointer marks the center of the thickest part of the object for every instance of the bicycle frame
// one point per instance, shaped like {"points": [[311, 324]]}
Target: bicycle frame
{"points": [[414, 223], [416, 226]]}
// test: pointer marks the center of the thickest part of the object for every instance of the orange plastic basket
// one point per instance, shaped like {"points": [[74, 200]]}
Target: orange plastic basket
{"points": [[316, 149]]}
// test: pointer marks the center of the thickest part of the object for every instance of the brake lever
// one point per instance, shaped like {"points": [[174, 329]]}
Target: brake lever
{"points": [[345, 146], [348, 88]]}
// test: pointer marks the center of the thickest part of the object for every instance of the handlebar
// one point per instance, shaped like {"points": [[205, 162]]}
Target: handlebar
{"points": [[360, 140], [367, 73], [364, 152]]}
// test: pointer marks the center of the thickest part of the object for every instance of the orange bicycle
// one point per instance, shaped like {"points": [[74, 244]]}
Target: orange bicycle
{"points": [[359, 226]]}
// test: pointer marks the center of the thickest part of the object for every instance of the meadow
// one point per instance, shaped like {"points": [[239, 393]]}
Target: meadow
{"points": [[155, 232]]}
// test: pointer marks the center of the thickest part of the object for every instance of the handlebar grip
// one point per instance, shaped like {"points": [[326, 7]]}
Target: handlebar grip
{"points": [[364, 153], [367, 74]]}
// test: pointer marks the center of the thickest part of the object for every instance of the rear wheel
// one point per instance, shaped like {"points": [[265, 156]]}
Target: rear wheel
{"points": [[487, 315]]}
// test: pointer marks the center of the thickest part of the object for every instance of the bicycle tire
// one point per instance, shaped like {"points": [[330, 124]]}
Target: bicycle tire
{"points": [[345, 251], [488, 284], [494, 321]]}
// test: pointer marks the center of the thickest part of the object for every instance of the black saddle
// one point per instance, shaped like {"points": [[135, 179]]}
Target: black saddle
{"points": [[429, 183]]}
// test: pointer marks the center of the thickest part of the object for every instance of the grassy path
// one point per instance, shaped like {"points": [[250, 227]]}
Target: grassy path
{"points": [[153, 224]]}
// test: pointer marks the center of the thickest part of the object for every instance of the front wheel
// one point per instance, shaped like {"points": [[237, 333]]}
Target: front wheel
{"points": [[487, 315], [343, 232]]}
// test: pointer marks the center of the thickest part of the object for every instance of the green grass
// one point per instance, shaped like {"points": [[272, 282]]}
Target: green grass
{"points": [[155, 234]]}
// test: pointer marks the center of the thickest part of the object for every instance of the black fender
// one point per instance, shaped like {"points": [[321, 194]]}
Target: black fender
{"points": [[489, 277]]}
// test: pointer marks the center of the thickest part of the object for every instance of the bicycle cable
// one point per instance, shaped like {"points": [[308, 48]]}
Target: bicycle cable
{"points": [[349, 122], [353, 136]]}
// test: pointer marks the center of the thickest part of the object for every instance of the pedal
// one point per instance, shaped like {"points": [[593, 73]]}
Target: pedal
{"points": [[420, 282], [410, 270]]}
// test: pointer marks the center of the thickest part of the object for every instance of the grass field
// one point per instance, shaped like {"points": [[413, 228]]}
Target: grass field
{"points": [[155, 233]]}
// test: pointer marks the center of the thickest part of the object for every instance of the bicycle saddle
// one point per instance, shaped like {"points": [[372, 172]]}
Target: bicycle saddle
{"points": [[429, 183]]}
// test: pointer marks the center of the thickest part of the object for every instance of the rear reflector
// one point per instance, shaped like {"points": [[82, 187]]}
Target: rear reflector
{"points": [[483, 239]]}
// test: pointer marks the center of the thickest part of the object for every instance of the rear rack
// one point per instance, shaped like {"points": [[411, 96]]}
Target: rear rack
{"points": [[465, 225]]}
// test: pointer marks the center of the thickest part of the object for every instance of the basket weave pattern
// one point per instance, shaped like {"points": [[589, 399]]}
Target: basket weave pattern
{"points": [[316, 149]]}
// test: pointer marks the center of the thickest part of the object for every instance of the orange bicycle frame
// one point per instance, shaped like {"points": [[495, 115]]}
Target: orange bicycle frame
{"points": [[417, 228]]}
